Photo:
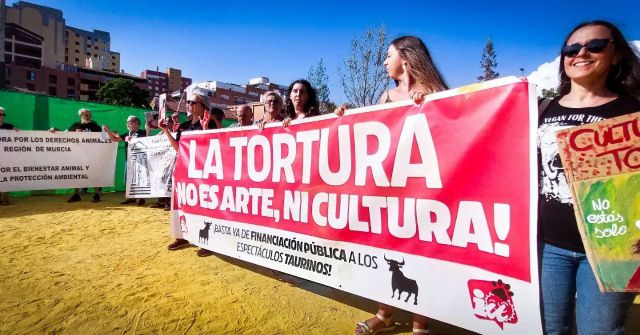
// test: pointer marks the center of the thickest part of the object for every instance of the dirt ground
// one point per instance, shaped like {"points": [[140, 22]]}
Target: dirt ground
{"points": [[103, 268]]}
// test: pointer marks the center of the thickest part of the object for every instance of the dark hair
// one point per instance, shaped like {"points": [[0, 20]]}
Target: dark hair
{"points": [[420, 64], [217, 113], [311, 108], [623, 77]]}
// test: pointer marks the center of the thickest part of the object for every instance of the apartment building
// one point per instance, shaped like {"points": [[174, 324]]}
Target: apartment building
{"points": [[91, 49], [165, 82], [42, 54], [226, 94]]}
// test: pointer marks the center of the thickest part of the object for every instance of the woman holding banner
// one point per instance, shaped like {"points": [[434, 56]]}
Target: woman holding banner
{"points": [[199, 107], [301, 101], [410, 65], [599, 75], [272, 108]]}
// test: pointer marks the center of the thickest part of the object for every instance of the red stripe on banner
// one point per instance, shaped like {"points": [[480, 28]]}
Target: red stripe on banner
{"points": [[448, 179]]}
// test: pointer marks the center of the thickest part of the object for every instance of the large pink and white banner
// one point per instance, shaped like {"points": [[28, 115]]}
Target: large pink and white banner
{"points": [[430, 208]]}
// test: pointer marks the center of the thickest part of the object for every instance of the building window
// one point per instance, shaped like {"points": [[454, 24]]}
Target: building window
{"points": [[95, 55], [77, 60], [71, 93], [77, 43], [53, 91], [53, 79], [66, 50], [113, 64], [77, 51], [66, 59], [31, 75], [89, 38], [31, 87], [7, 47], [28, 50], [71, 82], [27, 62], [77, 35]]}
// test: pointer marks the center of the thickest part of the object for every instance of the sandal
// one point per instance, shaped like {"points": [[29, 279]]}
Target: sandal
{"points": [[420, 331], [363, 328]]}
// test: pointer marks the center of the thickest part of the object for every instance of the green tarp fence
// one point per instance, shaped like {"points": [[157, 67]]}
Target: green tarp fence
{"points": [[39, 112]]}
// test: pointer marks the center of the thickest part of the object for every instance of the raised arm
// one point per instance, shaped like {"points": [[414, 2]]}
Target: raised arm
{"points": [[112, 136], [165, 129]]}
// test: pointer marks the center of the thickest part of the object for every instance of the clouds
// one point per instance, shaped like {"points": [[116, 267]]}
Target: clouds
{"points": [[546, 76]]}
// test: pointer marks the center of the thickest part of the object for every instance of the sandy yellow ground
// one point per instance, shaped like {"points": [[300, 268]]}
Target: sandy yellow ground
{"points": [[104, 268]]}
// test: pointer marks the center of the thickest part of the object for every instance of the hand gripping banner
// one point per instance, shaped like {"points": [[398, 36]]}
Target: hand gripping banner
{"points": [[430, 208]]}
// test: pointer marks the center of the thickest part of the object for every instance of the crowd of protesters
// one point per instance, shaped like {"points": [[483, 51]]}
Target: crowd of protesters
{"points": [[599, 77]]}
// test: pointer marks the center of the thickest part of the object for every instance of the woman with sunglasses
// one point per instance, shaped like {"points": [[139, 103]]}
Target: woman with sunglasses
{"points": [[410, 65], [599, 75], [198, 108]]}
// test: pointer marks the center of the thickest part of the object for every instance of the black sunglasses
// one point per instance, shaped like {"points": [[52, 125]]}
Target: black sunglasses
{"points": [[593, 46], [191, 102]]}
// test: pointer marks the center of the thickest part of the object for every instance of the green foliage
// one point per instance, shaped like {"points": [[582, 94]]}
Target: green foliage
{"points": [[123, 92], [549, 93], [320, 81], [364, 77], [488, 62]]}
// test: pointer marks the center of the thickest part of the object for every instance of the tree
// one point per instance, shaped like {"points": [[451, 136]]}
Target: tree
{"points": [[549, 93], [123, 92], [319, 80], [364, 77], [488, 62]]}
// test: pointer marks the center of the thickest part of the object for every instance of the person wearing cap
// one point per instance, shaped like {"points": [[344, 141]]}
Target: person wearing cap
{"points": [[4, 197], [133, 131], [198, 108], [244, 114], [84, 125]]}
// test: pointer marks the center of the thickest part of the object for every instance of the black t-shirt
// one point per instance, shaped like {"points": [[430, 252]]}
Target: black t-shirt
{"points": [[556, 218], [92, 126], [6, 126], [130, 135], [188, 126]]}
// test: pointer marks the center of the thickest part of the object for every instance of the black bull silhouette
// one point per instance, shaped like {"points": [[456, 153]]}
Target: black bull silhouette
{"points": [[400, 282], [204, 233]]}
